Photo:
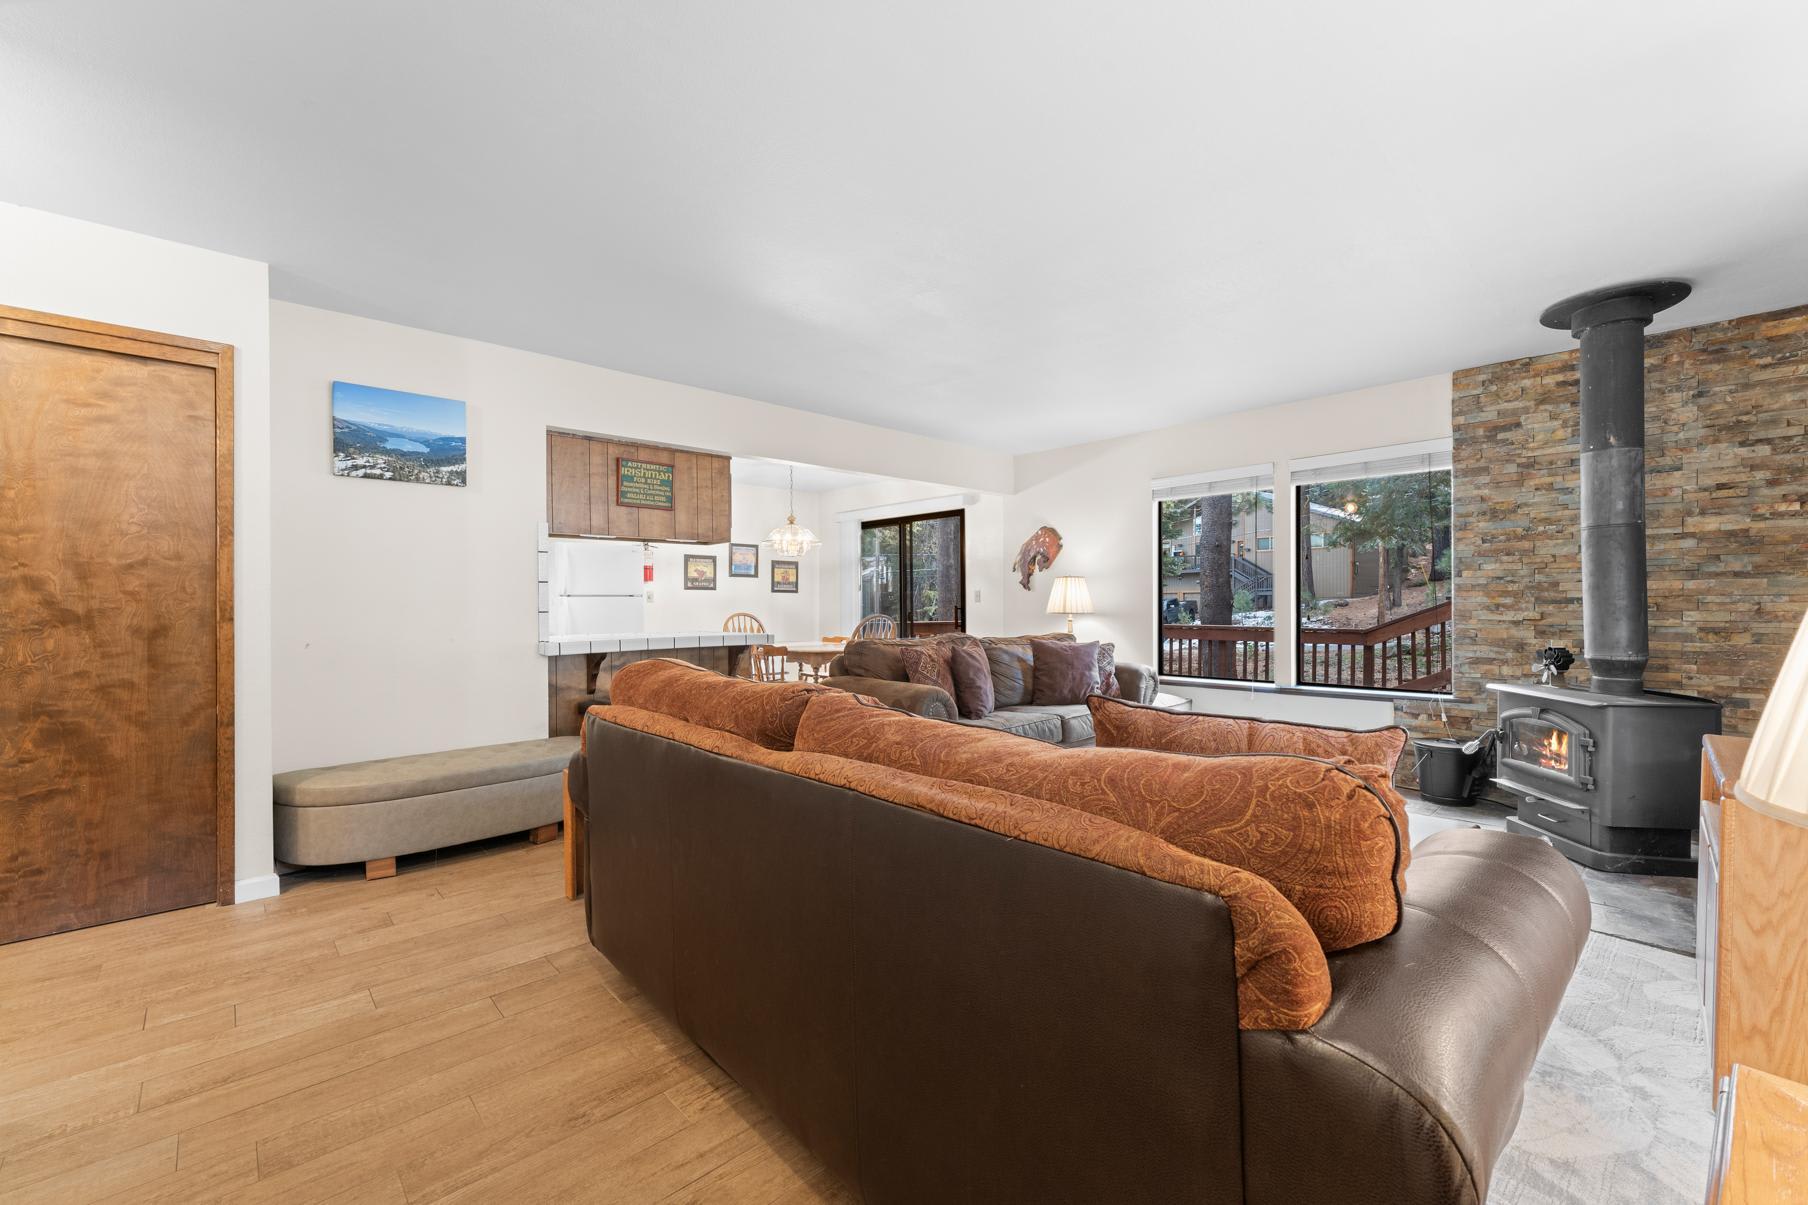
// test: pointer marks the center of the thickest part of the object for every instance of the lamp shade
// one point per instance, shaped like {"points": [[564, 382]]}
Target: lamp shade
{"points": [[1775, 778], [791, 540], [1069, 597]]}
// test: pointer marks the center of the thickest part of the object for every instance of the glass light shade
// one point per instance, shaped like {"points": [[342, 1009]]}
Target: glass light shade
{"points": [[1775, 778], [1070, 597], [791, 540]]}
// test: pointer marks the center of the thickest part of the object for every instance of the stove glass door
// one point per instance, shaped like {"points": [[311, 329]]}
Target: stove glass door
{"points": [[1546, 742]]}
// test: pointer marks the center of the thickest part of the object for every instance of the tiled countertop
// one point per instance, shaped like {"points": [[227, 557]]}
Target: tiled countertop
{"points": [[634, 642]]}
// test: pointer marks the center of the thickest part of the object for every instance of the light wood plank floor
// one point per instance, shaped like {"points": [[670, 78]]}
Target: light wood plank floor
{"points": [[448, 1034]]}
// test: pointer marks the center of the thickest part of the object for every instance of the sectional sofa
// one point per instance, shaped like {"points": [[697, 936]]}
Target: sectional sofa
{"points": [[964, 966], [876, 668]]}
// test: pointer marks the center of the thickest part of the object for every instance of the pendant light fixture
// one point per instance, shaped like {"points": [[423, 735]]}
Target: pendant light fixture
{"points": [[792, 540]]}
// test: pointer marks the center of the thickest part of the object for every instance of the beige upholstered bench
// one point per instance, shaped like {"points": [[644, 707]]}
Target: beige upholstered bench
{"points": [[373, 811]]}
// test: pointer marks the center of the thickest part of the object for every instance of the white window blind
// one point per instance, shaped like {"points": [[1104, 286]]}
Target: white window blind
{"points": [[1220, 481], [1424, 457]]}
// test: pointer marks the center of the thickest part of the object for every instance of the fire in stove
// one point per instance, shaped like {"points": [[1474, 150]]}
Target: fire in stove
{"points": [[1553, 750]]}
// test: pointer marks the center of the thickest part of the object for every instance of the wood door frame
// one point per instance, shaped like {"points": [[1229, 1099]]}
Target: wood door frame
{"points": [[153, 345]]}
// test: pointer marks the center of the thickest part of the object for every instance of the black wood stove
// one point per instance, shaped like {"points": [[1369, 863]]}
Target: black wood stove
{"points": [[1612, 780], [1608, 773]]}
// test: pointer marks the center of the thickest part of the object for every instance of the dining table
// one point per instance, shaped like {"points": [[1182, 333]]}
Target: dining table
{"points": [[813, 657]]}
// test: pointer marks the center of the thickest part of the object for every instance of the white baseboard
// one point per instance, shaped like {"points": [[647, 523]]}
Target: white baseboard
{"points": [[260, 888]]}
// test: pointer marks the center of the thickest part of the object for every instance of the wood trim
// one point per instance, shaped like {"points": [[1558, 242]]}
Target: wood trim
{"points": [[157, 339], [155, 345], [225, 659]]}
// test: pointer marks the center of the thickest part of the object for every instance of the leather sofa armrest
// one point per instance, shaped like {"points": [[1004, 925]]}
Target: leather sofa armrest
{"points": [[1138, 682], [931, 702], [1408, 1088]]}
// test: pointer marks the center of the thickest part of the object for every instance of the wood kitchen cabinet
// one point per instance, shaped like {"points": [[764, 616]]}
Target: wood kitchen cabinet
{"points": [[582, 500]]}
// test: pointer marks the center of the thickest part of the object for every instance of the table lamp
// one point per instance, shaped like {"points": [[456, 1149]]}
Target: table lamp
{"points": [[1070, 598], [1775, 778]]}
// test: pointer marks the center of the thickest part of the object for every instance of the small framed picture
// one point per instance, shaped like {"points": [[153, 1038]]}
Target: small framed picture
{"points": [[744, 560], [784, 577], [699, 572]]}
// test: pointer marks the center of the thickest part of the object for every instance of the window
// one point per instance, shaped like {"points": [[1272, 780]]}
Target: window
{"points": [[1374, 587], [1369, 555], [914, 569], [1215, 602]]}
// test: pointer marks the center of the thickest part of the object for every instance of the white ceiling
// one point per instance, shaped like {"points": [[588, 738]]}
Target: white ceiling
{"points": [[811, 479], [1017, 222]]}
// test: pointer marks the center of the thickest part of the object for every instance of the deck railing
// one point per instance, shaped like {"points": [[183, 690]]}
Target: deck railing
{"points": [[1408, 652]]}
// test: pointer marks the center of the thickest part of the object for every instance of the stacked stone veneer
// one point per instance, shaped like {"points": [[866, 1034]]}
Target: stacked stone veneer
{"points": [[1726, 485]]}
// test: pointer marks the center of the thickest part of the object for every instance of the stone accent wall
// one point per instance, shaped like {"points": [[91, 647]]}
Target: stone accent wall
{"points": [[1726, 432]]}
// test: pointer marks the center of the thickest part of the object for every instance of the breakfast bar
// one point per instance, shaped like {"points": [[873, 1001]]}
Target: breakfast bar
{"points": [[581, 665]]}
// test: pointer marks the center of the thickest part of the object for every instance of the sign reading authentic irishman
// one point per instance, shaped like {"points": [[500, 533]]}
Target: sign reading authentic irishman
{"points": [[643, 483]]}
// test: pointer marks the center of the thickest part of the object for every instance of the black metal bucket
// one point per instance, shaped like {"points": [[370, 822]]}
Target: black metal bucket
{"points": [[1450, 772]]}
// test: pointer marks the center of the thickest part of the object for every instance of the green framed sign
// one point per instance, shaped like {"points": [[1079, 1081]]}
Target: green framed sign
{"points": [[644, 483]]}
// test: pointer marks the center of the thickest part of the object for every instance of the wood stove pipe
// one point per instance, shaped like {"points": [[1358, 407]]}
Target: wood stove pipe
{"points": [[1611, 325]]}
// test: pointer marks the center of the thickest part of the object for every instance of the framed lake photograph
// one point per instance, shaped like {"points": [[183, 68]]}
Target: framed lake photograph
{"points": [[784, 577], [395, 436], [744, 560], [699, 572]]}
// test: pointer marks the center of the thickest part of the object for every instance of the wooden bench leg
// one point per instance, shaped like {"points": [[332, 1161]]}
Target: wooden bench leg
{"points": [[379, 868], [543, 834]]}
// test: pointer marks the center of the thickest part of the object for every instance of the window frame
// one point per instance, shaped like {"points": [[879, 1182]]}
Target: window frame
{"points": [[1271, 658], [1445, 631], [1287, 649]]}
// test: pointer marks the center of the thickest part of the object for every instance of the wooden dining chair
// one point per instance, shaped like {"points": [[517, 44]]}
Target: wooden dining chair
{"points": [[743, 621], [875, 627], [766, 662]]}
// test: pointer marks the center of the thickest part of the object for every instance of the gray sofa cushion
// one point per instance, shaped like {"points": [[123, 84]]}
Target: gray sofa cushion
{"points": [[1013, 670], [423, 773], [1014, 666], [1037, 725], [1076, 719]]}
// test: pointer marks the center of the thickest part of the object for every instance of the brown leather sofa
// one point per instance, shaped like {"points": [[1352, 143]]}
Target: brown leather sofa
{"points": [[946, 1012]]}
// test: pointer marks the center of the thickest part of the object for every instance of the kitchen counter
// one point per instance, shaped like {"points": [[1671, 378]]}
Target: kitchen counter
{"points": [[638, 642]]}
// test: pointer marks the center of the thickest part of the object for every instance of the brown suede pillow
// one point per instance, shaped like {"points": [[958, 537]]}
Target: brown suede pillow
{"points": [[1366, 747], [1108, 672], [1065, 673], [1330, 837], [972, 679], [765, 713], [1125, 725], [927, 665]]}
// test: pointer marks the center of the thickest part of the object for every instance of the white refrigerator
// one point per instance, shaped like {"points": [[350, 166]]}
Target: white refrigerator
{"points": [[596, 587]]}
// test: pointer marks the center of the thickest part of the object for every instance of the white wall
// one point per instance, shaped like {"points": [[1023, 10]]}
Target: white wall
{"points": [[404, 614], [756, 511], [64, 266], [1097, 496]]}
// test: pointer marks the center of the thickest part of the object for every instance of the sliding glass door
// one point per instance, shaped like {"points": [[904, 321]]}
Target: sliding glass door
{"points": [[914, 569]]}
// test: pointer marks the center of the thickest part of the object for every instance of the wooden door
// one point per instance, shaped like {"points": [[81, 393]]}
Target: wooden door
{"points": [[115, 623]]}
